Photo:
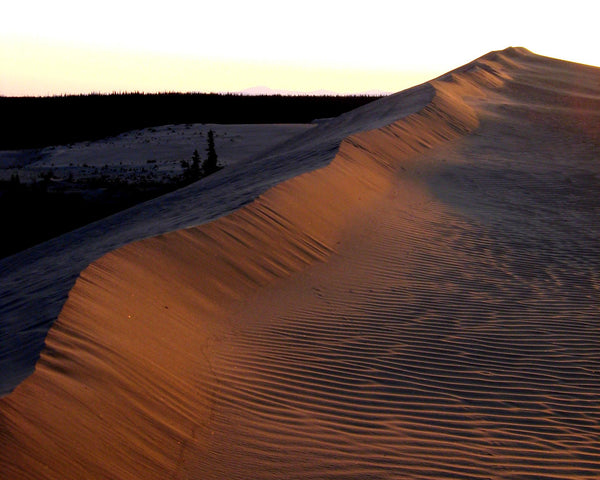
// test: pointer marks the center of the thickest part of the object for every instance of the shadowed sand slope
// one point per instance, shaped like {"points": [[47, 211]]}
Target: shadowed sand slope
{"points": [[425, 306]]}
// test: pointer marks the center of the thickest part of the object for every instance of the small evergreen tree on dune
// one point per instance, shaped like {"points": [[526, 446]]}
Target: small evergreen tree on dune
{"points": [[210, 164], [192, 170]]}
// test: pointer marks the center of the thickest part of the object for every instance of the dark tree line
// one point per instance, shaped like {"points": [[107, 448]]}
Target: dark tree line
{"points": [[33, 122], [33, 213]]}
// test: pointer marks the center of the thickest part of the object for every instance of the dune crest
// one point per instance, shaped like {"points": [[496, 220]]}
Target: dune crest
{"points": [[393, 314]]}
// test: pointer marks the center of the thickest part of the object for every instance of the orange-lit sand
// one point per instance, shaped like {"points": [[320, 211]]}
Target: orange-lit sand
{"points": [[426, 306]]}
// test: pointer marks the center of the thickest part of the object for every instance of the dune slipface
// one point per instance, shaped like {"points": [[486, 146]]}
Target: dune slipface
{"points": [[425, 306]]}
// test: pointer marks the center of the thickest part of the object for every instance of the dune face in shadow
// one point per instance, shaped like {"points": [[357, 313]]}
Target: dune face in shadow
{"points": [[425, 306]]}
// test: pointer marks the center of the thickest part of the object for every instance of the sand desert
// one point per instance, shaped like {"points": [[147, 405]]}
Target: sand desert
{"points": [[408, 291]]}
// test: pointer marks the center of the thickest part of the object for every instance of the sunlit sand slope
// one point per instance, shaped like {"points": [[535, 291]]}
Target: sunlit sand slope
{"points": [[426, 306]]}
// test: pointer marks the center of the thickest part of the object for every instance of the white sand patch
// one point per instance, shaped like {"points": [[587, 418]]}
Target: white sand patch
{"points": [[153, 153]]}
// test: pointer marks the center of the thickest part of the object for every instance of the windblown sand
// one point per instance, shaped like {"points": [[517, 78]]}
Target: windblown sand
{"points": [[424, 307]]}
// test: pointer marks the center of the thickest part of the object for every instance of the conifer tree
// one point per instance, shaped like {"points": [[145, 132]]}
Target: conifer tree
{"points": [[210, 164]]}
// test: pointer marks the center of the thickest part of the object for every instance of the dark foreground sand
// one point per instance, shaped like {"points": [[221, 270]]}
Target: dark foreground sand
{"points": [[426, 306]]}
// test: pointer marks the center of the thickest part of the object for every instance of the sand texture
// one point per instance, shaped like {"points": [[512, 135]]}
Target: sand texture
{"points": [[425, 306]]}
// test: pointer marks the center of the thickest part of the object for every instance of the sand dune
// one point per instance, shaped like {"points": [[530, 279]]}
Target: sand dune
{"points": [[425, 306], [35, 283]]}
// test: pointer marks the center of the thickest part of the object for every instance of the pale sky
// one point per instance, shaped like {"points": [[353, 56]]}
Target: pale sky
{"points": [[76, 46]]}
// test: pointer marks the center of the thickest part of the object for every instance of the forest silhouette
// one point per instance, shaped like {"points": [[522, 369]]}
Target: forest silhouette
{"points": [[36, 122]]}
